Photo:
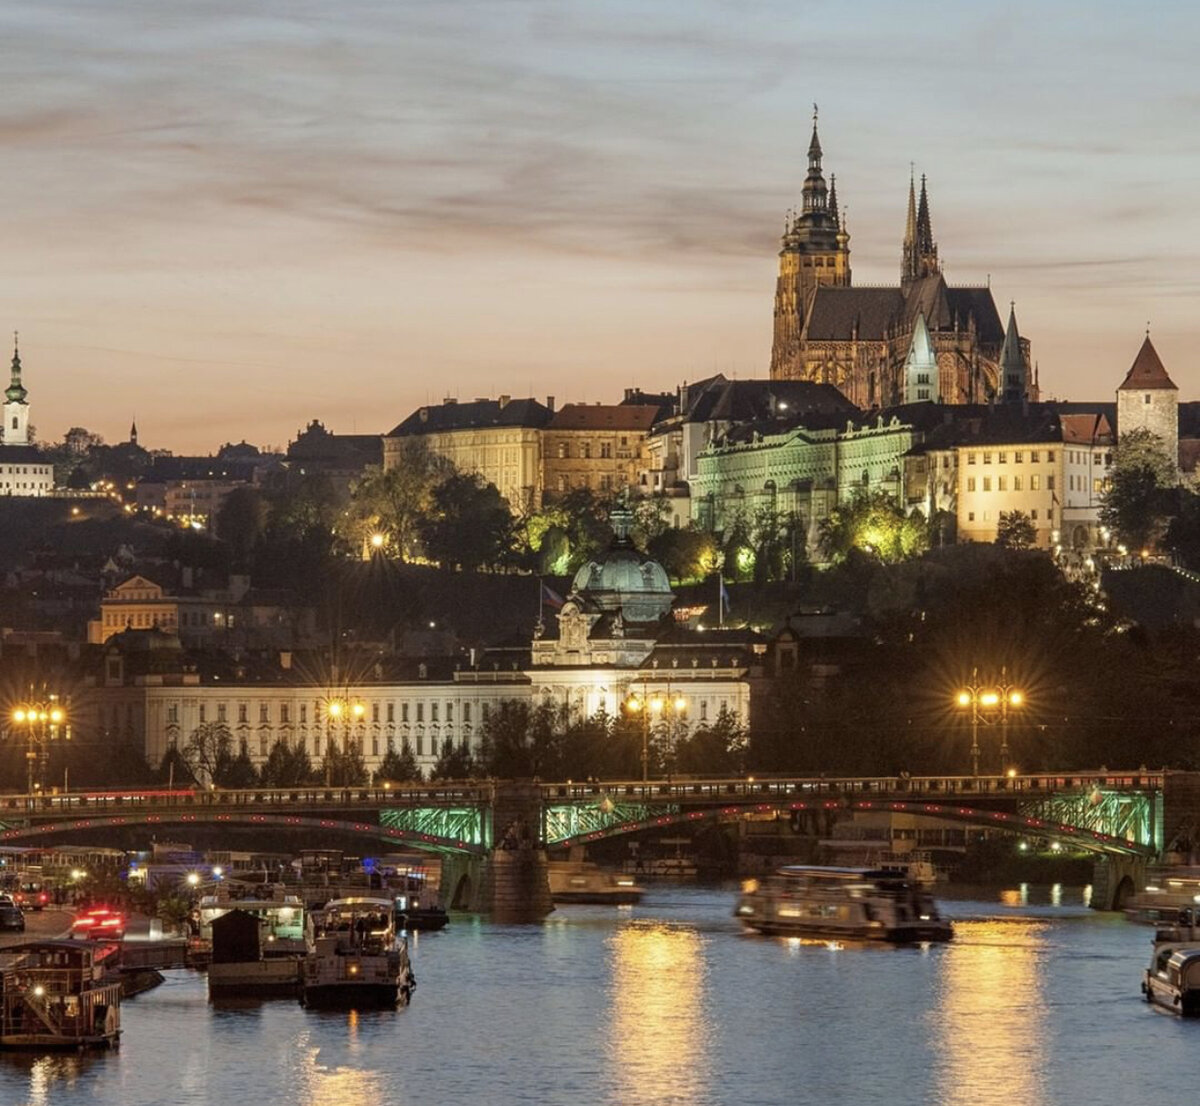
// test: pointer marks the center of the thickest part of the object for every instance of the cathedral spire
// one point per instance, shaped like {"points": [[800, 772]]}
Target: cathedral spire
{"points": [[926, 247], [833, 204], [920, 250], [1014, 375]]}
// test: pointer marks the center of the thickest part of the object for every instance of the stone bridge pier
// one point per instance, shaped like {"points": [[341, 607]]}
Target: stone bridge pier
{"points": [[511, 884], [1115, 879]]}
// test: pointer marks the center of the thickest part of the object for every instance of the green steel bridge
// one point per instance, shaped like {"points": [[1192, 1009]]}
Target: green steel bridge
{"points": [[1103, 812]]}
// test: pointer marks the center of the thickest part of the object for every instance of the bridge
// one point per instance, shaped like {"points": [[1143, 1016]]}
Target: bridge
{"points": [[488, 831]]}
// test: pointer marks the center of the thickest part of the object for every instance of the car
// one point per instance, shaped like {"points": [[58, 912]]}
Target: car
{"points": [[99, 923], [11, 917], [31, 896]]}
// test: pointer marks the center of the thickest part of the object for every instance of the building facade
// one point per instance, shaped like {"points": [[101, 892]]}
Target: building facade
{"points": [[23, 469], [596, 446]]}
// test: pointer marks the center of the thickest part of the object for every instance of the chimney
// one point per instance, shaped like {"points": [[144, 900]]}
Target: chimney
{"points": [[504, 401], [550, 403]]}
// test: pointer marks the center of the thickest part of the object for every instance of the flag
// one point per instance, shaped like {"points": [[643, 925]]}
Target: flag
{"points": [[725, 604], [551, 598]]}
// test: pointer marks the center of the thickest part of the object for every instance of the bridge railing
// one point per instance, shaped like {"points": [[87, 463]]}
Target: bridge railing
{"points": [[749, 789], [470, 793]]}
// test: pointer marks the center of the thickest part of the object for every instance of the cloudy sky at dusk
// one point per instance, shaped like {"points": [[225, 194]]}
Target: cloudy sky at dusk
{"points": [[229, 218]]}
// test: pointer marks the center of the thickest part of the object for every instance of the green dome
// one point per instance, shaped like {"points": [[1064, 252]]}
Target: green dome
{"points": [[625, 583]]}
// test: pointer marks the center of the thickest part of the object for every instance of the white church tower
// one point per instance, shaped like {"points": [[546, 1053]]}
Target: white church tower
{"points": [[1148, 400], [16, 406]]}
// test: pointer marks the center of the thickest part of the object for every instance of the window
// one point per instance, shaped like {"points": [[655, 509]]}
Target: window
{"points": [[987, 483], [1033, 514], [221, 712], [374, 712], [264, 712], [1016, 483], [970, 458], [285, 713], [242, 709], [303, 713], [987, 458], [1050, 483], [173, 712], [585, 451], [466, 712], [403, 712], [563, 451], [203, 713], [1097, 485], [1034, 456], [606, 451], [970, 516], [970, 483], [449, 712], [1050, 455], [1035, 482], [391, 712], [433, 712], [1002, 458], [420, 712], [1145, 399]]}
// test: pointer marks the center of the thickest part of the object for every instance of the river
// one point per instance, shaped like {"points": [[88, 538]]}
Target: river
{"points": [[1035, 1003]]}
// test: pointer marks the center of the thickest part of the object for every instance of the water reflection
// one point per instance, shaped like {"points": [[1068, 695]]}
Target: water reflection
{"points": [[991, 1016], [352, 1084], [659, 1036]]}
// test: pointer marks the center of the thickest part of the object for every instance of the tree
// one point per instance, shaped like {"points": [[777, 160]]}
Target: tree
{"points": [[1137, 504], [238, 772], [715, 748], [394, 502], [207, 750], [287, 765], [468, 524], [241, 520], [453, 763], [1015, 530], [687, 555], [504, 751], [343, 765], [875, 524], [399, 767]]}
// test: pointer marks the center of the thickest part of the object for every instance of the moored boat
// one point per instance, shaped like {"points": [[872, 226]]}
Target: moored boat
{"points": [[576, 881], [871, 904], [356, 960], [1172, 980], [240, 966], [60, 994]]}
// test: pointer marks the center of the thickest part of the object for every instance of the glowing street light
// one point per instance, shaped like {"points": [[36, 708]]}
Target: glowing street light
{"points": [[653, 705], [989, 704], [42, 722]]}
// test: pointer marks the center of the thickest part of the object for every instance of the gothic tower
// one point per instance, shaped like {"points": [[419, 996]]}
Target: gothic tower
{"points": [[920, 250], [815, 250], [1013, 384], [16, 407]]}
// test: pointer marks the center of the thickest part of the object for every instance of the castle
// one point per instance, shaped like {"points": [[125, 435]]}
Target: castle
{"points": [[923, 340]]}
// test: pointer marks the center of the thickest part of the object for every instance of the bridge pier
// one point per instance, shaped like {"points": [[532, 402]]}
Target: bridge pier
{"points": [[1115, 879], [517, 882]]}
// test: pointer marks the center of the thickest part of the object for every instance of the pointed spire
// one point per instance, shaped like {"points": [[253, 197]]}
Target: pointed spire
{"points": [[133, 432], [814, 146], [833, 204], [1147, 371], [910, 226], [925, 244], [814, 183], [15, 392], [1012, 361]]}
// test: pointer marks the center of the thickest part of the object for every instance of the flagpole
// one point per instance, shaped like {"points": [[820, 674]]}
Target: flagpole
{"points": [[720, 599]]}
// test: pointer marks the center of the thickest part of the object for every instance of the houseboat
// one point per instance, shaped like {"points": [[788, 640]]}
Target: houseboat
{"points": [[244, 965], [1173, 978], [282, 922], [577, 881], [60, 995], [356, 960], [870, 904], [414, 907]]}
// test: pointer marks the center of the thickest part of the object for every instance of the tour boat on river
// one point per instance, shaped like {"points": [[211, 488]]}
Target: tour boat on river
{"points": [[1173, 978], [579, 881], [873, 904], [356, 961]]}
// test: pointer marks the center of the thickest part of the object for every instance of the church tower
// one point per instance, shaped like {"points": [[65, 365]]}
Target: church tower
{"points": [[920, 367], [1014, 372], [16, 407], [815, 250], [920, 250], [1148, 400]]}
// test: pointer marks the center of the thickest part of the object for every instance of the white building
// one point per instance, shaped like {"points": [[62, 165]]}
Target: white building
{"points": [[23, 469]]}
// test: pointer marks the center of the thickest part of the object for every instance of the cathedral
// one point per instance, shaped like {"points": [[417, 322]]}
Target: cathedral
{"points": [[921, 341]]}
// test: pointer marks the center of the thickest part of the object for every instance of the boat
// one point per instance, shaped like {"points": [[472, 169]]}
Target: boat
{"points": [[1169, 889], [871, 904], [1173, 978], [679, 866], [244, 965], [356, 960], [60, 994], [578, 881], [409, 912], [282, 922]]}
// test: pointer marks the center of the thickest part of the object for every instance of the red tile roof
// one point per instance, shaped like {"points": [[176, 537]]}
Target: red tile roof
{"points": [[601, 416], [1147, 371]]}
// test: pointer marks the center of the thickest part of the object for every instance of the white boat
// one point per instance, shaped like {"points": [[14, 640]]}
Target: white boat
{"points": [[282, 922], [244, 964], [872, 904], [579, 881], [1173, 978], [356, 960]]}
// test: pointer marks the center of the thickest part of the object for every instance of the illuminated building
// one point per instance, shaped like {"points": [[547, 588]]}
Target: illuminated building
{"points": [[23, 469]]}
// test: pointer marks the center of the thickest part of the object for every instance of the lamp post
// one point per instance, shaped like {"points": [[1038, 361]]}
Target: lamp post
{"points": [[653, 705], [989, 704], [41, 721], [338, 711]]}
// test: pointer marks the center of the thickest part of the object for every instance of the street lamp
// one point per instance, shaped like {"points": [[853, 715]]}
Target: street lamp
{"points": [[989, 704], [653, 705], [41, 722], [338, 711]]}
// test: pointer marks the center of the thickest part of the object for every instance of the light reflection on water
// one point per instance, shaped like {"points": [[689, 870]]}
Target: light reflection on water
{"points": [[658, 1034], [1032, 1003]]}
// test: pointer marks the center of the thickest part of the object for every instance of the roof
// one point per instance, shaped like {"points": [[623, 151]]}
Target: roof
{"points": [[480, 413], [873, 314], [21, 454], [1085, 429], [1147, 371], [793, 400], [583, 416]]}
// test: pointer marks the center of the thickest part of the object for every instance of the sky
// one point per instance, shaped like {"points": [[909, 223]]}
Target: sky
{"points": [[225, 219]]}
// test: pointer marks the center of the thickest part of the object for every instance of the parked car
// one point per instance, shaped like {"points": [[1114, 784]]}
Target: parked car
{"points": [[11, 917]]}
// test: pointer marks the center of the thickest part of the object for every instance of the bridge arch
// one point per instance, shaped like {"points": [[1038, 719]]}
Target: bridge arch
{"points": [[1081, 837], [374, 831]]}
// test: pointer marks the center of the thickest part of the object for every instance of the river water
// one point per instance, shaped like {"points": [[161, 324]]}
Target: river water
{"points": [[1035, 1002]]}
